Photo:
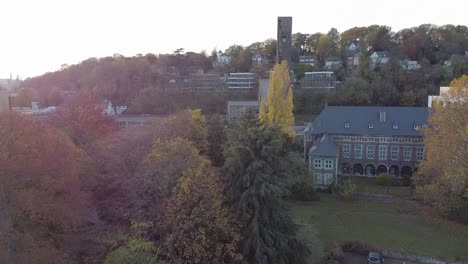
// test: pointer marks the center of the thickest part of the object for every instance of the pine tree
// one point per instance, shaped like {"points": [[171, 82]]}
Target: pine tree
{"points": [[280, 98], [257, 170]]}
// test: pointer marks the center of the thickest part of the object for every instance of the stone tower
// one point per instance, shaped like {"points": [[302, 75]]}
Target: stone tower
{"points": [[283, 48]]}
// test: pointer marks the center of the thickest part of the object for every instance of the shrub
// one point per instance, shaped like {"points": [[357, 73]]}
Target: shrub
{"points": [[406, 180], [384, 179], [357, 247], [303, 191], [345, 189]]}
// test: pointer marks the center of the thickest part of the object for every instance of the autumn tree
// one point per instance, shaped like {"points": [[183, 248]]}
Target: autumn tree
{"points": [[279, 110], [40, 191], [82, 118], [25, 97], [135, 247], [257, 173], [195, 226], [55, 96], [443, 174]]}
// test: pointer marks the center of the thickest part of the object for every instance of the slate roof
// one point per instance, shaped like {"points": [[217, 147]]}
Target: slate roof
{"points": [[324, 147], [332, 120]]}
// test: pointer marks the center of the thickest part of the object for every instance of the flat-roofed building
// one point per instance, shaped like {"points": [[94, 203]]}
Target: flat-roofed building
{"points": [[237, 108], [310, 60], [241, 80], [132, 121], [316, 80]]}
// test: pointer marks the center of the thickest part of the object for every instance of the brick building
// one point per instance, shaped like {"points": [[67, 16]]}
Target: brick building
{"points": [[364, 141]]}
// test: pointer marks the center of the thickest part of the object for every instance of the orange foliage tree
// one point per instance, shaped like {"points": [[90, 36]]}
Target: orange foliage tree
{"points": [[82, 118], [39, 188]]}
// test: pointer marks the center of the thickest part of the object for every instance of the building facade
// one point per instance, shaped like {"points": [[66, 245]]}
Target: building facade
{"points": [[364, 141], [235, 109], [133, 121], [352, 56], [321, 81], [309, 60], [241, 80], [379, 58]]}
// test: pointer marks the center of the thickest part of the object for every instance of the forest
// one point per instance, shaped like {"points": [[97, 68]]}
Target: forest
{"points": [[141, 82]]}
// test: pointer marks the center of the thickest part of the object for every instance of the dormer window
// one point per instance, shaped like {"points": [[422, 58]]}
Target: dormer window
{"points": [[416, 127], [371, 125], [346, 125], [395, 126]]}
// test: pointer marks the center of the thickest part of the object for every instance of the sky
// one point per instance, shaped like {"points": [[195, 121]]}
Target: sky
{"points": [[39, 36]]}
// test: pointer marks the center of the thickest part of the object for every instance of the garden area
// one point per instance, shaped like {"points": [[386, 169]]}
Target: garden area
{"points": [[396, 224]]}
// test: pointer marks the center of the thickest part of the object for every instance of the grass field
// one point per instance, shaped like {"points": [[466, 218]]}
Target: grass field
{"points": [[390, 225]]}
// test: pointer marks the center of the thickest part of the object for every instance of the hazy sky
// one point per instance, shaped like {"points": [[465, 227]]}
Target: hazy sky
{"points": [[37, 36]]}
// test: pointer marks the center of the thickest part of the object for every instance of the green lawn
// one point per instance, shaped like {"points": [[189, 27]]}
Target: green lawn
{"points": [[369, 186], [389, 225]]}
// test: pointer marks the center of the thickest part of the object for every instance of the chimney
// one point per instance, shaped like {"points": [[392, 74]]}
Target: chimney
{"points": [[383, 117]]}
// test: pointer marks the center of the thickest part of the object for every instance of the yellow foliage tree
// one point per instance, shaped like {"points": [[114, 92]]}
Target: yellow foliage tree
{"points": [[445, 169], [279, 110]]}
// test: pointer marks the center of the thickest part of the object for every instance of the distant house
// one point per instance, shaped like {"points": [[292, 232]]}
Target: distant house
{"points": [[309, 60], [321, 81], [379, 58], [241, 80], [352, 56], [408, 65], [332, 63], [257, 59], [364, 141], [223, 58], [354, 47]]}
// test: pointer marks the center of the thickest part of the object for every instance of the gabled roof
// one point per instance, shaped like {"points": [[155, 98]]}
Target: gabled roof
{"points": [[324, 147], [333, 120], [257, 55], [382, 54]]}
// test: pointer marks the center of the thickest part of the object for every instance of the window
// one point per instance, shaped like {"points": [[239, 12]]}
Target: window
{"points": [[318, 178], [371, 125], [394, 152], [346, 150], [346, 125], [382, 152], [395, 126], [370, 152], [317, 163], [407, 153], [358, 151], [328, 179], [419, 154], [328, 164]]}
